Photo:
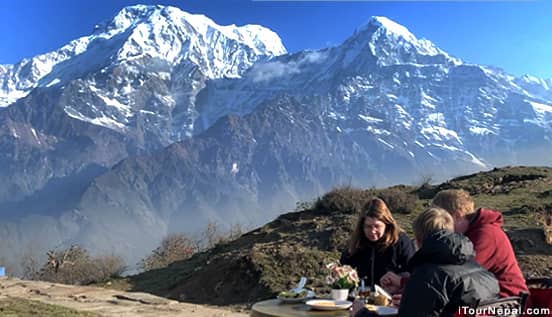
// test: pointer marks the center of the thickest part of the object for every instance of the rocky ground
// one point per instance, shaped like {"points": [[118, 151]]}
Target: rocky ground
{"points": [[27, 298]]}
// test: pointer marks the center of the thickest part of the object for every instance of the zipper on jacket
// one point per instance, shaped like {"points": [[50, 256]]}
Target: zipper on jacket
{"points": [[372, 269]]}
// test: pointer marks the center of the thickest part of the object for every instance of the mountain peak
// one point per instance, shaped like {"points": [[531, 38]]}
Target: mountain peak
{"points": [[391, 26], [163, 33], [260, 39], [392, 43], [128, 16]]}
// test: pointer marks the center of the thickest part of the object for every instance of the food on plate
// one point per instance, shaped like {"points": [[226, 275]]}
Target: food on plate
{"points": [[371, 307], [381, 297], [326, 303], [289, 294], [381, 300]]}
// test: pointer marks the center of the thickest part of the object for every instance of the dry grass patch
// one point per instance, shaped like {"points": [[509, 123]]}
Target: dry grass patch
{"points": [[17, 307]]}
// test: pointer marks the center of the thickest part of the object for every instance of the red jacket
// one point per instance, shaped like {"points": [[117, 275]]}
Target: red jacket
{"points": [[494, 252]]}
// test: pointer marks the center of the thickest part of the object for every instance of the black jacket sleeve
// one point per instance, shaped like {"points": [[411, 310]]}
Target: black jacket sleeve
{"points": [[346, 259], [425, 295], [405, 252]]}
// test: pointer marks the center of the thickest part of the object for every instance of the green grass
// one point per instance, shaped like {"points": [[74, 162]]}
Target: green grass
{"points": [[16, 307]]}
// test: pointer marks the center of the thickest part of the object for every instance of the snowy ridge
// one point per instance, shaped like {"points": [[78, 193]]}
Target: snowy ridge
{"points": [[16, 81], [415, 98], [259, 38], [391, 28], [163, 32], [142, 31], [393, 43], [382, 83]]}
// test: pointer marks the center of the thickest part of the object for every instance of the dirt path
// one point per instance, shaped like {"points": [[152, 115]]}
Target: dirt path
{"points": [[105, 302]]}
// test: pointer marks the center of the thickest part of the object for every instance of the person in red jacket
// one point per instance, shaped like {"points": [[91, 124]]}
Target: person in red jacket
{"points": [[483, 227]]}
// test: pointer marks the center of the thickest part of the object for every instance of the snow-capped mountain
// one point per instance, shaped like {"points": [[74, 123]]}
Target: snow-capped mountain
{"points": [[384, 84], [210, 122], [141, 44], [137, 75]]}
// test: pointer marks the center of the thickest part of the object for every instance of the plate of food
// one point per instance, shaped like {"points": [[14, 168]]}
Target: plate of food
{"points": [[328, 304], [295, 297], [382, 310], [381, 297]]}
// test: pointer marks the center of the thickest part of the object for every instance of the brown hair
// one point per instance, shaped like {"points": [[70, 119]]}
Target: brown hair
{"points": [[375, 208], [430, 220], [454, 200]]}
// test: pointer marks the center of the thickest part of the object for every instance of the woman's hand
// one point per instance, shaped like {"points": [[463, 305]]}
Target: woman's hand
{"points": [[391, 282]]}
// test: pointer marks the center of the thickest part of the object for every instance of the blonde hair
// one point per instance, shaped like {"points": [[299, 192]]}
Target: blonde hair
{"points": [[377, 209], [431, 220], [455, 201]]}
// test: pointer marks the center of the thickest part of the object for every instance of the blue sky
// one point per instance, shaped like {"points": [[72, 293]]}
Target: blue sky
{"points": [[513, 35]]}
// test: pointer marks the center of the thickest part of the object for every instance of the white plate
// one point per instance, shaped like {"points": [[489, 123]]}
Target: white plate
{"points": [[383, 310], [386, 310], [331, 304], [287, 300]]}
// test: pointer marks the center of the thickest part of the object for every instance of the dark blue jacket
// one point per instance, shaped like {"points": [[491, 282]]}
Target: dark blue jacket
{"points": [[372, 264], [445, 277]]}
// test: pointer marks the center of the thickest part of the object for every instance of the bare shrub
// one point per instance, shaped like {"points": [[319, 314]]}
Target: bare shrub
{"points": [[236, 231], [66, 266], [344, 199], [425, 180], [174, 247], [212, 235], [74, 265], [398, 200], [107, 267], [30, 264]]}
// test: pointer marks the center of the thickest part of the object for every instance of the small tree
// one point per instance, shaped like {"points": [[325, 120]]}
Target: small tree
{"points": [[66, 266], [174, 247], [425, 180]]}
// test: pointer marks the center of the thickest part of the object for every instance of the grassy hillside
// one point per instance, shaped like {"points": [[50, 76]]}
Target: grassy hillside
{"points": [[273, 257]]}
